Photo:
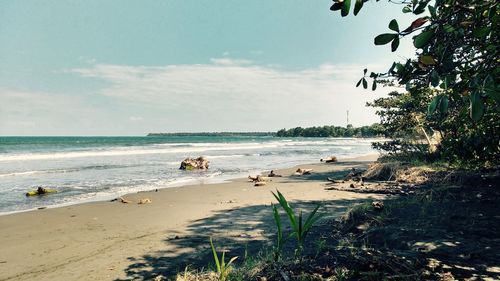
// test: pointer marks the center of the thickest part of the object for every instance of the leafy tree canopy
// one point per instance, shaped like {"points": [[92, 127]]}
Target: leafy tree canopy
{"points": [[457, 50], [373, 130]]}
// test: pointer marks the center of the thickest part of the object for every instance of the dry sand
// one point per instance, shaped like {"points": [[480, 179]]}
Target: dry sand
{"points": [[117, 241]]}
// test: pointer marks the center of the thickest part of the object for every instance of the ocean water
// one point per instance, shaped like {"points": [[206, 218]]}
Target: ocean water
{"points": [[100, 168]]}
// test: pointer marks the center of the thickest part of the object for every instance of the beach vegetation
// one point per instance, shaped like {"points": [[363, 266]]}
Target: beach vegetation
{"points": [[280, 240], [445, 228], [223, 268], [300, 228]]}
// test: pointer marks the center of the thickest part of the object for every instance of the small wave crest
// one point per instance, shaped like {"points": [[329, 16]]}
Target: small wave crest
{"points": [[128, 151], [66, 170], [20, 173]]}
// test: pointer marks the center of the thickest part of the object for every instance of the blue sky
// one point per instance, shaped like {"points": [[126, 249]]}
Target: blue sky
{"points": [[133, 67]]}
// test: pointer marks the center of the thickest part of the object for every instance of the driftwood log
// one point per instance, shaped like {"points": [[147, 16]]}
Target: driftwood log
{"points": [[301, 172], [258, 178], [331, 159], [273, 174], [199, 163]]}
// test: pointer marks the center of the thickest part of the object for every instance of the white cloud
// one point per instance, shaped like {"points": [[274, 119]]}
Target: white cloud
{"points": [[225, 95], [231, 94], [230, 62], [135, 118], [25, 112], [40, 112]]}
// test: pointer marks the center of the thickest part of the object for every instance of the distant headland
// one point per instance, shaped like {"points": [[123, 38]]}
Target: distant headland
{"points": [[374, 130], [213, 134]]}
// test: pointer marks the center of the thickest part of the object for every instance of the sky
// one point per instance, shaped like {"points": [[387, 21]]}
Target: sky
{"points": [[95, 67]]}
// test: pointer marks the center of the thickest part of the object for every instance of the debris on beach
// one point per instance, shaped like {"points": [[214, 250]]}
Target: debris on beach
{"points": [[378, 205], [160, 278], [334, 180], [199, 163], [144, 201], [354, 175], [260, 183], [123, 200], [301, 172], [258, 178], [385, 187], [331, 159], [272, 174], [253, 178]]}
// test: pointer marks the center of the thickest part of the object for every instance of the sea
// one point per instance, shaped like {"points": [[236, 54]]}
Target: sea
{"points": [[85, 169]]}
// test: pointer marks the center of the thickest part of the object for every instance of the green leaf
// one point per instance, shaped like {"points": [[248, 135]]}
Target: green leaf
{"points": [[393, 25], [474, 83], [357, 6], [408, 87], [434, 78], [476, 106], [395, 44], [406, 9], [385, 38], [336, 6], [345, 8], [448, 28], [420, 8], [311, 219], [432, 11], [365, 83], [433, 105], [422, 39], [481, 32], [374, 85], [427, 60], [365, 70], [390, 69], [216, 258], [359, 82], [399, 68], [493, 92], [277, 219], [443, 104], [288, 209], [490, 89], [301, 226]]}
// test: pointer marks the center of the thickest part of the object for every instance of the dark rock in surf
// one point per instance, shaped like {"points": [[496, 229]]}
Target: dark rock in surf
{"points": [[199, 163]]}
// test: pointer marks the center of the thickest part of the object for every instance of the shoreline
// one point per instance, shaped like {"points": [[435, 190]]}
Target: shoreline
{"points": [[190, 182], [114, 241]]}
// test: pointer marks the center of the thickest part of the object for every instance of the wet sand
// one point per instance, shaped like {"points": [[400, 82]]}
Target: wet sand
{"points": [[118, 241]]}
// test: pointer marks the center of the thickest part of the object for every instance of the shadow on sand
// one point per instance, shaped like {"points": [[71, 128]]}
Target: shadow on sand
{"points": [[241, 231]]}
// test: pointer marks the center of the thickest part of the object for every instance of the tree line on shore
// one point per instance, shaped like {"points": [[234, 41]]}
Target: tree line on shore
{"points": [[374, 130]]}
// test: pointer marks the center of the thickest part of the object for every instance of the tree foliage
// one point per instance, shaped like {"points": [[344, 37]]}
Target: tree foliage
{"points": [[373, 130], [452, 83], [457, 50], [446, 134]]}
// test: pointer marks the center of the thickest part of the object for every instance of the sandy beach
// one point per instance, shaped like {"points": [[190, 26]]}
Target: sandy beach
{"points": [[117, 241]]}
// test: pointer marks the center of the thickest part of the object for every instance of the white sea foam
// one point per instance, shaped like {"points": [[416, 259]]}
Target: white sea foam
{"points": [[106, 172], [172, 148], [128, 152], [20, 173]]}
